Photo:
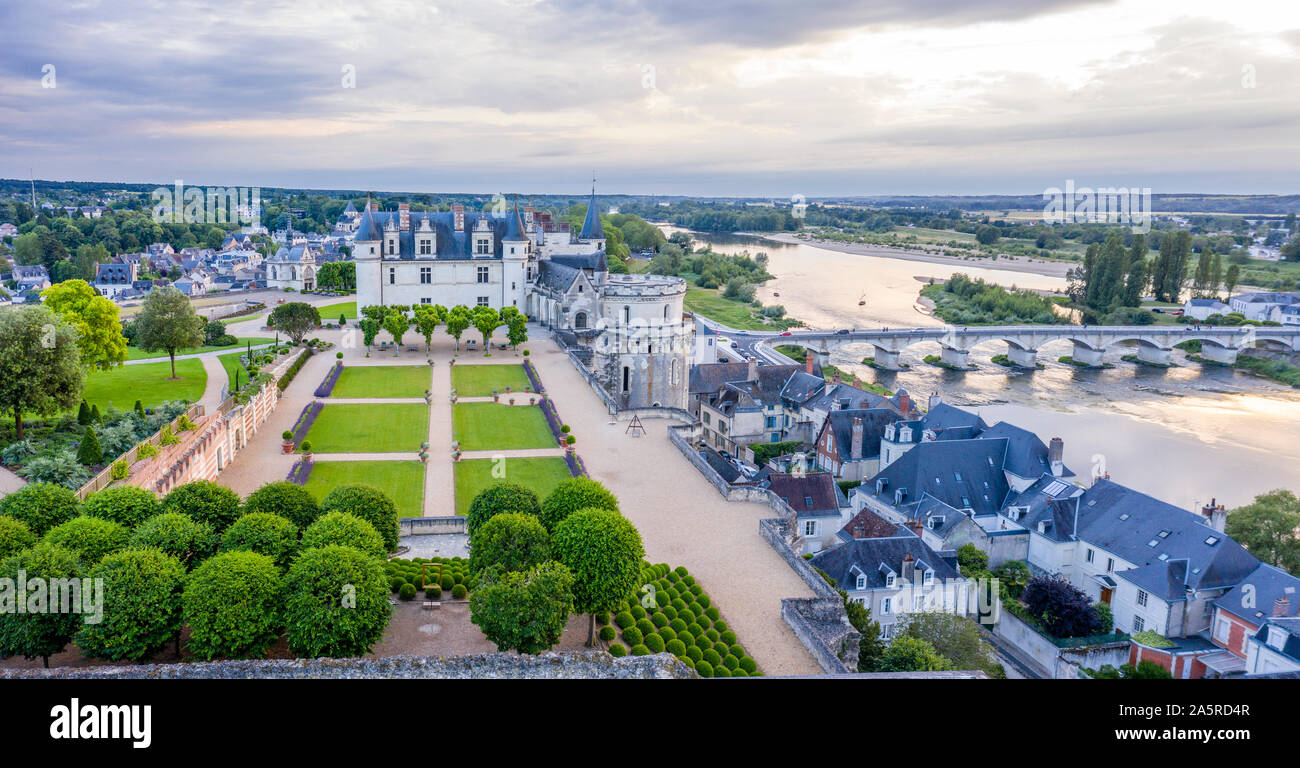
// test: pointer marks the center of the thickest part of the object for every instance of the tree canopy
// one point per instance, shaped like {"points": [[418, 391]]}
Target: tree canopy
{"points": [[167, 322], [40, 364]]}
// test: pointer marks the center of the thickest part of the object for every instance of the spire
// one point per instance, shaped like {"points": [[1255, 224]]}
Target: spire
{"points": [[515, 227], [591, 227], [367, 230]]}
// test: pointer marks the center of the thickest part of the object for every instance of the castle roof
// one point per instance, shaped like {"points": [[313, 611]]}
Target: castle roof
{"points": [[591, 226]]}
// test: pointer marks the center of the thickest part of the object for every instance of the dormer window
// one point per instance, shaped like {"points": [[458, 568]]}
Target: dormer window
{"points": [[889, 580], [862, 582], [928, 579]]}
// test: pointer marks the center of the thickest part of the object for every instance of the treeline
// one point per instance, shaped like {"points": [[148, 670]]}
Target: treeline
{"points": [[708, 216], [963, 301], [1114, 277]]}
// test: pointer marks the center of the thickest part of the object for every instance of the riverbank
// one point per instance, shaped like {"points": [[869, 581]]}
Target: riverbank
{"points": [[1007, 263]]}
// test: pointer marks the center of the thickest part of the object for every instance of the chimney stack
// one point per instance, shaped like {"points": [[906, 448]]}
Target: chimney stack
{"points": [[855, 444], [1281, 607], [1055, 456], [934, 400], [810, 363], [904, 402], [909, 562], [1215, 515], [404, 216], [752, 374], [458, 214]]}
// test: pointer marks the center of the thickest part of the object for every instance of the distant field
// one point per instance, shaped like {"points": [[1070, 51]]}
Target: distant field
{"points": [[122, 385], [540, 475], [403, 481], [383, 381]]}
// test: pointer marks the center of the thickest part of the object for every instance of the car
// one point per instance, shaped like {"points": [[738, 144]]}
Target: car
{"points": [[786, 333], [842, 333]]}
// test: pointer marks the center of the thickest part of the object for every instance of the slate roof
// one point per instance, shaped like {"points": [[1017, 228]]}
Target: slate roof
{"points": [[943, 417], [877, 557], [1142, 529], [595, 262], [708, 378], [556, 277], [1057, 509], [1026, 453], [724, 468], [960, 473], [844, 397], [1264, 586], [868, 525], [1291, 647], [449, 244], [368, 229], [802, 387], [813, 495], [874, 421], [591, 229], [294, 253], [515, 230], [113, 274]]}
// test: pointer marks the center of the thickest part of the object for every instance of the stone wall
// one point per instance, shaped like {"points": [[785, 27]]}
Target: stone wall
{"points": [[421, 526], [550, 665], [1051, 660]]}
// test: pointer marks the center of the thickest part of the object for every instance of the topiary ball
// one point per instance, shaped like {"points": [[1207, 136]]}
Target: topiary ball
{"points": [[675, 647], [654, 642], [704, 669], [607, 633], [749, 665], [640, 650], [624, 620], [632, 636], [459, 591], [713, 657], [617, 651], [406, 591]]}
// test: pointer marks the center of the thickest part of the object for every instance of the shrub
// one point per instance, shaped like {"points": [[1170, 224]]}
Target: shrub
{"points": [[712, 613], [615, 650], [632, 635], [654, 642], [459, 591], [406, 591], [713, 657], [141, 608], [513, 541], [637, 612], [602, 618], [369, 504], [432, 592], [624, 620], [88, 450], [42, 633], [265, 533], [749, 665], [186, 539], [640, 650], [288, 500], [666, 633], [694, 653], [90, 537], [497, 499], [523, 611], [659, 620], [318, 621], [572, 495], [204, 501], [232, 605], [41, 506], [125, 504], [675, 647], [607, 633], [395, 583], [345, 530], [15, 536], [727, 637], [704, 669]]}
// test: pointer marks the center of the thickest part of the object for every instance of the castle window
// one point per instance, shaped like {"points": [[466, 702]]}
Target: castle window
{"points": [[426, 247], [392, 276], [626, 371], [627, 314], [482, 274], [426, 275], [482, 301], [580, 320]]}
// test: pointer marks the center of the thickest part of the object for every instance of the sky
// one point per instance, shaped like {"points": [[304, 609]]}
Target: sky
{"points": [[674, 97]]}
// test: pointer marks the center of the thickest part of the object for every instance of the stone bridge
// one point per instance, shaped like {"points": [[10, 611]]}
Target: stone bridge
{"points": [[1154, 343]]}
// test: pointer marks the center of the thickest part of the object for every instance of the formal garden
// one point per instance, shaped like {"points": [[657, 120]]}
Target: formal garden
{"points": [[487, 380], [382, 381], [500, 427], [541, 475], [370, 428], [403, 481]]}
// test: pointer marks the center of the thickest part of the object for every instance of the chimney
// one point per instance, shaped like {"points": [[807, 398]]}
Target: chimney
{"points": [[1215, 515], [528, 215], [917, 526], [934, 400], [752, 374], [855, 443], [904, 402], [909, 562], [404, 216], [458, 213], [810, 364], [1055, 454], [1281, 607]]}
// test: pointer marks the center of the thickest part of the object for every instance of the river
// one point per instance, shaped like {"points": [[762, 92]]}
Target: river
{"points": [[1184, 434]]}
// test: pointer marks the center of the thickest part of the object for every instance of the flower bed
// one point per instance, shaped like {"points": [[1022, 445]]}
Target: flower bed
{"points": [[301, 472], [331, 378], [533, 377], [576, 467], [676, 615], [305, 419], [552, 417]]}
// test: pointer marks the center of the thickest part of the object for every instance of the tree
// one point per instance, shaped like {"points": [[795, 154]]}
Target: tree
{"points": [[142, 606], [911, 654], [344, 530], [90, 537], [1063, 609], [517, 329], [1145, 670], [88, 450], [458, 321], [264, 533], [523, 611], [288, 500], [38, 631], [296, 319], [988, 235], [126, 505], [970, 556], [1231, 279], [335, 602], [204, 501], [397, 324], [871, 646], [15, 536], [369, 504], [167, 322], [96, 319], [574, 494], [511, 541], [486, 320], [214, 333], [427, 321], [232, 605], [497, 499], [181, 536], [40, 364], [369, 330], [1013, 575], [954, 637], [1267, 527], [41, 506], [604, 552]]}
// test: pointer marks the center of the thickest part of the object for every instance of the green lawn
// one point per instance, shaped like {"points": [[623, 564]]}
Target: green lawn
{"points": [[481, 380], [135, 353], [495, 426], [403, 481], [737, 314], [541, 475], [122, 385], [330, 312], [383, 381], [353, 428]]}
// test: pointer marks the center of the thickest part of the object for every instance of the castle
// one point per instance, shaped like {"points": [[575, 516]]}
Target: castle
{"points": [[626, 330]]}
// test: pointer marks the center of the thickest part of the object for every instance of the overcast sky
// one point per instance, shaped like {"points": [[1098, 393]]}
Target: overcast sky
{"points": [[701, 97]]}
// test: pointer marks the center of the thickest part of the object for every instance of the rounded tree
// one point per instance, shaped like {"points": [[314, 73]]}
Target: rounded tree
{"points": [[343, 529], [335, 602], [181, 536], [124, 504], [572, 495], [142, 606], [90, 537], [41, 506], [296, 319], [369, 504], [38, 631], [288, 500], [264, 533], [41, 370], [523, 611], [604, 552], [512, 541], [206, 502], [232, 605], [497, 499], [167, 322], [15, 536]]}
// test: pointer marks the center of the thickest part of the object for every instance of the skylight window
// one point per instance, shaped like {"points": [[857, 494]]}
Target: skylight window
{"points": [[1211, 540], [1124, 516], [1164, 534], [1054, 488], [1153, 543], [957, 475], [1162, 557]]}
